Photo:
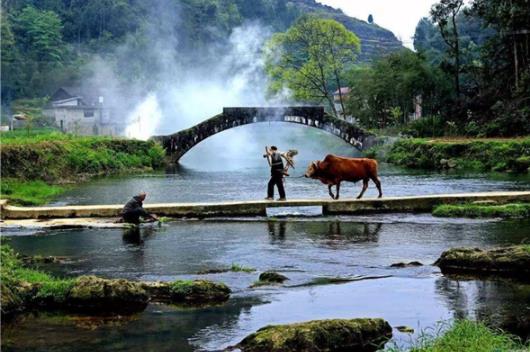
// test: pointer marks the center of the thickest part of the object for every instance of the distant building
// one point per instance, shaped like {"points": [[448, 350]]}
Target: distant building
{"points": [[345, 92], [82, 113], [416, 103]]}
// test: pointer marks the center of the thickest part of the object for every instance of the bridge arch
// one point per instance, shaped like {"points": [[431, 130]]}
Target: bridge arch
{"points": [[179, 143]]}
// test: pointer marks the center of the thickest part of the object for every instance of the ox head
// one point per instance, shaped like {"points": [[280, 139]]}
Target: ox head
{"points": [[311, 169]]}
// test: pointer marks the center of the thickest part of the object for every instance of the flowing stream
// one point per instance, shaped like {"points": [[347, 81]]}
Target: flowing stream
{"points": [[301, 244]]}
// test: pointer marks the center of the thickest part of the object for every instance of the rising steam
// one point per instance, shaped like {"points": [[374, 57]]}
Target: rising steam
{"points": [[174, 92]]}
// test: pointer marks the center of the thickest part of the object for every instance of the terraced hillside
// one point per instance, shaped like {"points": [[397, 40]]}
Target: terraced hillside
{"points": [[376, 41]]}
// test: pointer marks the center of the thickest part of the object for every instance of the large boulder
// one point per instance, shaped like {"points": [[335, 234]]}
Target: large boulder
{"points": [[94, 294], [188, 292], [360, 335], [511, 261]]}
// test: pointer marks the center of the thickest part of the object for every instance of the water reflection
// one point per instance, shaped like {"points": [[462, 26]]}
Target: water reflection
{"points": [[277, 231], [158, 328], [300, 249], [502, 303], [136, 235]]}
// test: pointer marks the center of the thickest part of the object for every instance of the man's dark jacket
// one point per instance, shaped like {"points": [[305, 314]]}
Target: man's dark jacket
{"points": [[133, 210]]}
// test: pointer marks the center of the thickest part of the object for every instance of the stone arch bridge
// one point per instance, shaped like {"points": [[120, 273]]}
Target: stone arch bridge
{"points": [[179, 143]]}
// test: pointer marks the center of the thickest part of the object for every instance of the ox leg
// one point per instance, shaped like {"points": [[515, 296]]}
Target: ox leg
{"points": [[338, 188], [330, 192], [377, 182], [365, 186]]}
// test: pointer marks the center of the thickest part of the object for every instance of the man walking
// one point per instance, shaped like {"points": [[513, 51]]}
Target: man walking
{"points": [[277, 171]]}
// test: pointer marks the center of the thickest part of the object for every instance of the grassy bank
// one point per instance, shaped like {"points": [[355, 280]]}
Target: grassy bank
{"points": [[25, 288], [508, 211], [34, 164], [29, 192], [17, 282], [468, 336], [482, 155]]}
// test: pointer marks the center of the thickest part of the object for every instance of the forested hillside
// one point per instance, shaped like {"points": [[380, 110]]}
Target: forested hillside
{"points": [[46, 43]]}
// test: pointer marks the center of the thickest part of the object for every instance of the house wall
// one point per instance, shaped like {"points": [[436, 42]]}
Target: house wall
{"points": [[78, 120]]}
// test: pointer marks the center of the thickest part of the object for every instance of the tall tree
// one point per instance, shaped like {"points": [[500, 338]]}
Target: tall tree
{"points": [[9, 57], [445, 14], [311, 58], [383, 93], [511, 19]]}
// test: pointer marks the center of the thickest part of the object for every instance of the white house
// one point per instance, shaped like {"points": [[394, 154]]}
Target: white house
{"points": [[79, 113]]}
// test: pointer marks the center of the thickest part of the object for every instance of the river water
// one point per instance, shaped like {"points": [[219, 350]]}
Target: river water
{"points": [[300, 244]]}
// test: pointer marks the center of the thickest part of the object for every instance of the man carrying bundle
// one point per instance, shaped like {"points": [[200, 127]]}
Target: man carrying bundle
{"points": [[277, 172]]}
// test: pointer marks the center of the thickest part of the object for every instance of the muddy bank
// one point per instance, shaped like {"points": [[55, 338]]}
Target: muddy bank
{"points": [[320, 335], [508, 261]]}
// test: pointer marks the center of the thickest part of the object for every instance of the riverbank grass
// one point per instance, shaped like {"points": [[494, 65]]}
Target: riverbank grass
{"points": [[469, 336], [35, 165], [507, 211], [480, 155], [28, 192]]}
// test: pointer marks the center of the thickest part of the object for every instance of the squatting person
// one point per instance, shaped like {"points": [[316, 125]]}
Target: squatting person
{"points": [[133, 210], [277, 172]]}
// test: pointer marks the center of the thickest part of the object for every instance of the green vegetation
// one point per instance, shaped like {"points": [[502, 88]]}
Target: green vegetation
{"points": [[46, 44], [33, 165], [512, 211], [468, 154], [24, 288], [28, 192], [470, 78], [326, 47], [468, 336], [382, 94], [241, 268]]}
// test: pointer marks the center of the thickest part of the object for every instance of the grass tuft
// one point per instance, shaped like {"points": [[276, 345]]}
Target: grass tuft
{"points": [[28, 192], [511, 211], [240, 268], [470, 336]]}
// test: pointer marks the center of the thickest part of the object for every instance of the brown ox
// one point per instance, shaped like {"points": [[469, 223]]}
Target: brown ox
{"points": [[335, 169]]}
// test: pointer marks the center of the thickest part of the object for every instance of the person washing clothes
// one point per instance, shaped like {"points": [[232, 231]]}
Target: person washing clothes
{"points": [[133, 210]]}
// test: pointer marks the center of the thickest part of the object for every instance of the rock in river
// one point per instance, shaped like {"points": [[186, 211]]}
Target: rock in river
{"points": [[511, 261], [272, 276], [320, 335], [93, 293], [405, 265], [188, 292]]}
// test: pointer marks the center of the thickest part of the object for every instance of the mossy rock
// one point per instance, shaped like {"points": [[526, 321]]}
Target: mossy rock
{"points": [[11, 300], [273, 277], [510, 261], [320, 335], [522, 164], [188, 292], [94, 293]]}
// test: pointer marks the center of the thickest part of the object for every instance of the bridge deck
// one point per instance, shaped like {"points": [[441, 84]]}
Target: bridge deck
{"points": [[259, 207]]}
